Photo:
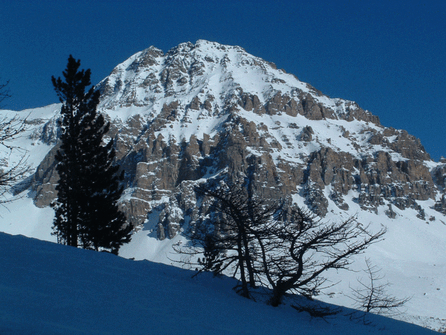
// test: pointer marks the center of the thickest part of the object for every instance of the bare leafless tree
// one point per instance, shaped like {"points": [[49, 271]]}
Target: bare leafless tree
{"points": [[10, 129], [276, 244], [226, 237], [4, 92], [371, 295], [309, 248]]}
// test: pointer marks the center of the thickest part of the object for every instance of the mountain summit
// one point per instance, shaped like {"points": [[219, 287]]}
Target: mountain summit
{"points": [[207, 109]]}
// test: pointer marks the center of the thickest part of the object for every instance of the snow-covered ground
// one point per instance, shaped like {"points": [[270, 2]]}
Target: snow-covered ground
{"points": [[51, 289], [411, 258]]}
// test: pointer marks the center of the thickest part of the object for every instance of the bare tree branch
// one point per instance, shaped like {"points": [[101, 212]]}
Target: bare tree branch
{"points": [[10, 129], [4, 93], [372, 297]]}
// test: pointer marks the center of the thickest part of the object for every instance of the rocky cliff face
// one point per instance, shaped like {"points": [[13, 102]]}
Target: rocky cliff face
{"points": [[206, 110]]}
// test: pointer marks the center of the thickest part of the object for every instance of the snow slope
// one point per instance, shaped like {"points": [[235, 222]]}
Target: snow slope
{"points": [[411, 258], [51, 289]]}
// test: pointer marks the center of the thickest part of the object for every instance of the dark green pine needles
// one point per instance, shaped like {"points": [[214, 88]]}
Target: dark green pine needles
{"points": [[89, 187]]}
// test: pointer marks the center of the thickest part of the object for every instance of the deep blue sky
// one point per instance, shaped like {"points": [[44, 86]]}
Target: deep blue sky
{"points": [[388, 56]]}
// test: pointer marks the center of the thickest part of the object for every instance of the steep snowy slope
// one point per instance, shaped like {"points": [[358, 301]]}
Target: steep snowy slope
{"points": [[207, 110], [52, 289]]}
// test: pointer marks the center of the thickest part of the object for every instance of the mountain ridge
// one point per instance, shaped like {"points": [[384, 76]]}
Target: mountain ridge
{"points": [[181, 105]]}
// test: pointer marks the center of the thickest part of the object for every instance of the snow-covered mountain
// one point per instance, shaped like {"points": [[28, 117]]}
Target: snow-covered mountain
{"points": [[205, 110]]}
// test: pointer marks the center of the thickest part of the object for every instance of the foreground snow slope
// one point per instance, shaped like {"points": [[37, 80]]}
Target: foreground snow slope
{"points": [[411, 257], [47, 288]]}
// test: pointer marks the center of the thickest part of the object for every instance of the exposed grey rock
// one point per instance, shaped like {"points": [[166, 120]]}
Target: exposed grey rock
{"points": [[390, 213], [307, 134], [440, 205], [45, 180]]}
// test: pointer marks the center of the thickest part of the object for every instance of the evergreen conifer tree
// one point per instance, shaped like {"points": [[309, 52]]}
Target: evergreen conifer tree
{"points": [[89, 186]]}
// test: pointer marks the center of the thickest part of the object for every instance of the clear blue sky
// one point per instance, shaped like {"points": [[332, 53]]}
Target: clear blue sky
{"points": [[388, 56]]}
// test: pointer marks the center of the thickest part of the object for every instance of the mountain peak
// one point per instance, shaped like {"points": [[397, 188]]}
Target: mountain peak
{"points": [[205, 46], [209, 70], [207, 106]]}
